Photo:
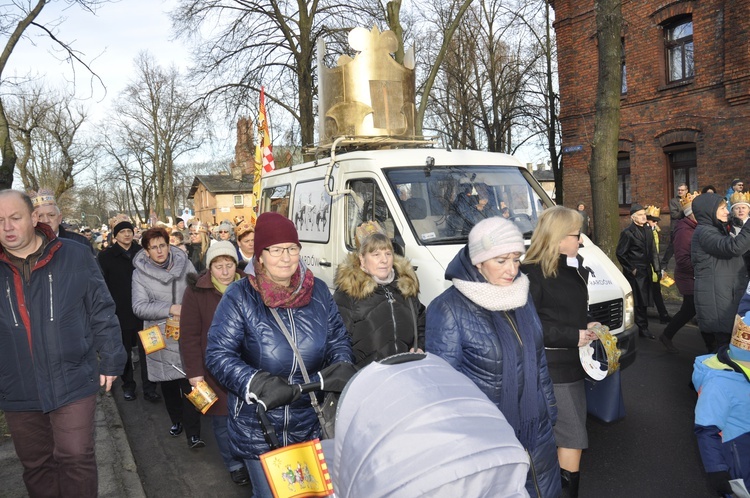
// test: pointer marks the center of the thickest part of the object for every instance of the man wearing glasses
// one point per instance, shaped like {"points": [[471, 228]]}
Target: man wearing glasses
{"points": [[737, 186]]}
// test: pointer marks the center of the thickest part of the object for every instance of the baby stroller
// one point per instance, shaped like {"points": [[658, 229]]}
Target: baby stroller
{"points": [[411, 425]]}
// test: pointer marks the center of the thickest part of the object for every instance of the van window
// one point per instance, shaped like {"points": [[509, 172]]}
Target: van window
{"points": [[366, 203], [311, 211], [442, 204], [276, 199]]}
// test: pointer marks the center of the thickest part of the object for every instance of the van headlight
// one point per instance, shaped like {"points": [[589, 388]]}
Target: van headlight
{"points": [[628, 315]]}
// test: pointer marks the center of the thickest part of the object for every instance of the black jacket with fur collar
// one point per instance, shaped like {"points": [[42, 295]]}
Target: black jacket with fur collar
{"points": [[379, 318]]}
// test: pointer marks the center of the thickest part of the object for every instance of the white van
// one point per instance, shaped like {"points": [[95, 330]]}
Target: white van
{"points": [[418, 195]]}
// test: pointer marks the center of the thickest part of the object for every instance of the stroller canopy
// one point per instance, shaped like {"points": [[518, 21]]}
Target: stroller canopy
{"points": [[420, 428]]}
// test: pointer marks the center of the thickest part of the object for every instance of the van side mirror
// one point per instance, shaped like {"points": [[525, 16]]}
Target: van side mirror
{"points": [[398, 245]]}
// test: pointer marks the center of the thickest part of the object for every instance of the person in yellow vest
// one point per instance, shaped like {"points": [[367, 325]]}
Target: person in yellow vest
{"points": [[652, 219]]}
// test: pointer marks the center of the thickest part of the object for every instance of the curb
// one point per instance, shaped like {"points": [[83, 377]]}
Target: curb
{"points": [[118, 473]]}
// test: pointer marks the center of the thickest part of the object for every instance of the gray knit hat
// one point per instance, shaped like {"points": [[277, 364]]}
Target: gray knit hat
{"points": [[220, 248], [493, 237]]}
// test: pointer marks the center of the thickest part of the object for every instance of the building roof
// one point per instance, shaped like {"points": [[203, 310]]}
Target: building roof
{"points": [[543, 175], [222, 184]]}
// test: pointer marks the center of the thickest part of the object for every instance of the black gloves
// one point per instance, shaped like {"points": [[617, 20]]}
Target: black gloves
{"points": [[720, 482], [334, 377], [271, 391]]}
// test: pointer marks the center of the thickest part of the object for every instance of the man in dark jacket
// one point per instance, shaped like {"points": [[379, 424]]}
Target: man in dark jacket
{"points": [[116, 263], [639, 259], [59, 340], [720, 275], [49, 213]]}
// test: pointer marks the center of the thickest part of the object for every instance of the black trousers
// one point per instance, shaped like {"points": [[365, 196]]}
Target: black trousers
{"points": [[686, 313], [180, 408], [641, 318], [128, 382], [658, 300]]}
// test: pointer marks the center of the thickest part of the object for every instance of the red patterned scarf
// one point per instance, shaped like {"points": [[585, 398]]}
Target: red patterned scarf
{"points": [[296, 295]]}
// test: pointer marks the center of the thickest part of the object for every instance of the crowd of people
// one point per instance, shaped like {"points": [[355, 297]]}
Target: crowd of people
{"points": [[236, 307]]}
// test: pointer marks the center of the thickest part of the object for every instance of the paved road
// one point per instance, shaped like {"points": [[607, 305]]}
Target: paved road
{"points": [[166, 465], [651, 452]]}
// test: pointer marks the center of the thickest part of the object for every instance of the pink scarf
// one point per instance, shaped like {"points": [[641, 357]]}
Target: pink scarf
{"points": [[296, 295]]}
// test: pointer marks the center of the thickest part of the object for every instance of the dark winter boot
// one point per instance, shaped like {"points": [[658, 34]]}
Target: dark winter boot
{"points": [[569, 483]]}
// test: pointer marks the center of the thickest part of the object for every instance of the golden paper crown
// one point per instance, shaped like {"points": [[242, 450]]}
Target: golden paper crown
{"points": [[741, 334], [739, 197], [42, 196], [243, 228], [653, 211], [366, 229], [688, 198]]}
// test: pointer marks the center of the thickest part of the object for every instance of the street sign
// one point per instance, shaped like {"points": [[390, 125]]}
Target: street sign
{"points": [[570, 149]]}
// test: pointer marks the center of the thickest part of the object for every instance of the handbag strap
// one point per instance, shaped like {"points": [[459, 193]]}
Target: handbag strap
{"points": [[285, 331]]}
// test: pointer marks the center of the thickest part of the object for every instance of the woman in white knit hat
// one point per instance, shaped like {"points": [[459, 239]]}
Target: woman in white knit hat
{"points": [[486, 327]]}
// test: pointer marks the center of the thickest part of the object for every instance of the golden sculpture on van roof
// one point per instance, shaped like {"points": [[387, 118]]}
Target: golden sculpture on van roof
{"points": [[370, 95]]}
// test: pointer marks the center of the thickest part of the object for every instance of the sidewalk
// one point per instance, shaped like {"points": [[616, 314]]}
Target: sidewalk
{"points": [[118, 475]]}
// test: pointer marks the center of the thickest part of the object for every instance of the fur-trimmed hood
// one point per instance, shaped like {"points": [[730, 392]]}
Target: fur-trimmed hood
{"points": [[353, 281]]}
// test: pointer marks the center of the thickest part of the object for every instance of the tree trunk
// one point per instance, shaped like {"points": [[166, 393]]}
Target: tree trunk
{"points": [[6, 149], [552, 114], [393, 10], [603, 165]]}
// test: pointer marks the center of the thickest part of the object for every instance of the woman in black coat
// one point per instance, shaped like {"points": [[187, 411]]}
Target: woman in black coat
{"points": [[720, 276], [639, 259], [558, 285], [376, 293]]}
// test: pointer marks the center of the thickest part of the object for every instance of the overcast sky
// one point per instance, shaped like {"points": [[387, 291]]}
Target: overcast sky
{"points": [[112, 38]]}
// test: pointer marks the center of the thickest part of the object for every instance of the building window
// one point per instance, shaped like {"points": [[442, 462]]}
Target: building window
{"points": [[624, 84], [683, 164], [239, 200], [623, 179], [679, 50]]}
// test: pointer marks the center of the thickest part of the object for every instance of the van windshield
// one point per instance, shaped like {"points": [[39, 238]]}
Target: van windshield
{"points": [[442, 204]]}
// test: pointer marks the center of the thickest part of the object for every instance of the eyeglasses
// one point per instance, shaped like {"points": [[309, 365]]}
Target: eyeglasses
{"points": [[278, 251], [576, 235], [223, 231]]}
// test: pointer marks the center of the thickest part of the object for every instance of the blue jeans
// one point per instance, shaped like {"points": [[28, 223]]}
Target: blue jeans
{"points": [[219, 425], [261, 489]]}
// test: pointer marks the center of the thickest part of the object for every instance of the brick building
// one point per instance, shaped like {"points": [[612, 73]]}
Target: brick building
{"points": [[685, 105]]}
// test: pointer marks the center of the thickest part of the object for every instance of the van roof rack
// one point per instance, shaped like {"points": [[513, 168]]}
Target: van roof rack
{"points": [[350, 143]]}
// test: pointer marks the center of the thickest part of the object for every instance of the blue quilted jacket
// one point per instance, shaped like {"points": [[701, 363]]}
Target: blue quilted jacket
{"points": [[465, 335], [244, 338]]}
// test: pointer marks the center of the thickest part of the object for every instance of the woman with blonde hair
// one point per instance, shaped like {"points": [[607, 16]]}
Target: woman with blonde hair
{"points": [[198, 245], [558, 286], [377, 296]]}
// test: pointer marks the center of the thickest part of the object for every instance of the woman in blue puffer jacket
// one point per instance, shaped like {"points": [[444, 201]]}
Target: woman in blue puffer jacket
{"points": [[486, 327], [248, 353]]}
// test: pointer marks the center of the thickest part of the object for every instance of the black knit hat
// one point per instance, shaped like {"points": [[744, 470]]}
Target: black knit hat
{"points": [[123, 225]]}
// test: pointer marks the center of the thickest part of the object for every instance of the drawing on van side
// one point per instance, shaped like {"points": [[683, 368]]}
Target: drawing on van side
{"points": [[312, 206]]}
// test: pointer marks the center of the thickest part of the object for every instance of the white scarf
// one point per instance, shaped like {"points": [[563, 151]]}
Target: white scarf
{"points": [[494, 297]]}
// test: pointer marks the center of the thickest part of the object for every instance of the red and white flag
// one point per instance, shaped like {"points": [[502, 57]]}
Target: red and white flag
{"points": [[265, 137]]}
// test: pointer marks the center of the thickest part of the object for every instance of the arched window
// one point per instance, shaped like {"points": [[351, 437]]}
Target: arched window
{"points": [[683, 164], [623, 179], [678, 44]]}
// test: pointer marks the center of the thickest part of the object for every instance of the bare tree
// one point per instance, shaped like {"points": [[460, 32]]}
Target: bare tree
{"points": [[158, 122], [46, 127], [261, 42], [483, 90], [603, 165], [15, 19]]}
